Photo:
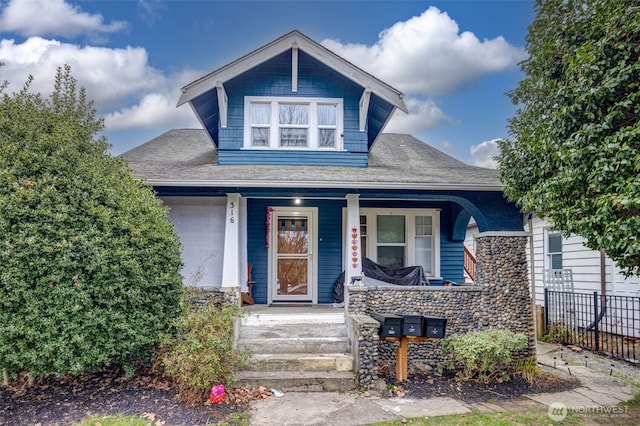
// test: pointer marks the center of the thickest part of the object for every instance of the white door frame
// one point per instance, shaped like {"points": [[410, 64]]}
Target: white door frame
{"points": [[311, 213]]}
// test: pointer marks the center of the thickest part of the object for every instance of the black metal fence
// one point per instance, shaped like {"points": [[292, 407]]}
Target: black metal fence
{"points": [[606, 324]]}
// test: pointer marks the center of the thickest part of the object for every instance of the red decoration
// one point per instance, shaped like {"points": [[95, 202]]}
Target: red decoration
{"points": [[268, 225]]}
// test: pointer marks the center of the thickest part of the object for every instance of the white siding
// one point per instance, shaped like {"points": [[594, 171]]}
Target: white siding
{"points": [[470, 243], [584, 262], [199, 223], [470, 236]]}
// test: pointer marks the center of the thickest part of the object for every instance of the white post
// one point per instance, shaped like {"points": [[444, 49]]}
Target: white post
{"points": [[352, 249], [231, 259]]}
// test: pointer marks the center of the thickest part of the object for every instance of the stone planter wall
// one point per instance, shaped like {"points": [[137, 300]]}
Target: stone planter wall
{"points": [[500, 299]]}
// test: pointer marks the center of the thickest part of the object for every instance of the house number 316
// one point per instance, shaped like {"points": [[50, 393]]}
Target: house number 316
{"points": [[232, 218]]}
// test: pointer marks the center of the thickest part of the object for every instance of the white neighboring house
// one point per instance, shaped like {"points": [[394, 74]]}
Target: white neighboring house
{"points": [[553, 251]]}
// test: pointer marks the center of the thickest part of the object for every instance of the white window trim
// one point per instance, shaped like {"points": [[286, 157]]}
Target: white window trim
{"points": [[547, 253], [410, 234], [274, 137]]}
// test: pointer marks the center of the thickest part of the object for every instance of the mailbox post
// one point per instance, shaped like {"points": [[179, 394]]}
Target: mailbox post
{"points": [[414, 329]]}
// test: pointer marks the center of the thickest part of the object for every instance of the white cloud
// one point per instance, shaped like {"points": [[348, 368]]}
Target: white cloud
{"points": [[428, 55], [126, 90], [150, 10], [54, 18], [154, 109], [482, 155], [111, 76], [423, 115]]}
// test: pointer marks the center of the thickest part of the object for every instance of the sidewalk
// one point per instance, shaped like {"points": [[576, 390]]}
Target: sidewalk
{"points": [[599, 387]]}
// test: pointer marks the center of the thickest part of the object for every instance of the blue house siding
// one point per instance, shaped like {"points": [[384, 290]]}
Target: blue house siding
{"points": [[310, 158], [329, 247], [273, 78], [329, 254], [207, 107], [379, 110]]}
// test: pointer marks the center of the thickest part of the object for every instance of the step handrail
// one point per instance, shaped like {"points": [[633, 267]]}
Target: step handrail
{"points": [[469, 263]]}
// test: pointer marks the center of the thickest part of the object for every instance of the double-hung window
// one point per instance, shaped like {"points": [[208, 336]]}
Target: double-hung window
{"points": [[554, 250], [402, 237], [293, 123]]}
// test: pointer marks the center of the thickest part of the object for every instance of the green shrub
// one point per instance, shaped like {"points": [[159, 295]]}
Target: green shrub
{"points": [[199, 353], [559, 332], [528, 369], [483, 355], [90, 261]]}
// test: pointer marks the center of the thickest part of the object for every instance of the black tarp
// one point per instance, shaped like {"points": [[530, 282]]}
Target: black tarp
{"points": [[410, 275]]}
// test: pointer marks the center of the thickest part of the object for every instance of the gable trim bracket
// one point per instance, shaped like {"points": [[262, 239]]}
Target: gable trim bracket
{"points": [[294, 67], [223, 102], [364, 107]]}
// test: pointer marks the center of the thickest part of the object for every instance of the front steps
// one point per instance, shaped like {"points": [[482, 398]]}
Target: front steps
{"points": [[300, 348]]}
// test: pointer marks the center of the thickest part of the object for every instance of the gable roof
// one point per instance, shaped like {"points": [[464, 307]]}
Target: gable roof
{"points": [[186, 157], [280, 45]]}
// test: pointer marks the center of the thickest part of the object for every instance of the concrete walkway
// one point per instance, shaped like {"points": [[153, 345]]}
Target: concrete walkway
{"points": [[599, 388]]}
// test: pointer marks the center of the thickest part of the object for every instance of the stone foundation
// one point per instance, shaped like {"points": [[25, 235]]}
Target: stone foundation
{"points": [[219, 296]]}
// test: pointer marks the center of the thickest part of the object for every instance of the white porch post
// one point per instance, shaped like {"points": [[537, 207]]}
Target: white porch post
{"points": [[231, 259], [352, 249]]}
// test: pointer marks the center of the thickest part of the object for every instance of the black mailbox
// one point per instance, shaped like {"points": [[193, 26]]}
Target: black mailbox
{"points": [[434, 328], [390, 325], [412, 325]]}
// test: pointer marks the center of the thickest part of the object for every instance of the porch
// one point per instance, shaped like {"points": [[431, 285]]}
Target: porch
{"points": [[310, 345]]}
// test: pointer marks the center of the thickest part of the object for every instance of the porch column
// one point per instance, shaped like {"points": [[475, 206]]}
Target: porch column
{"points": [[502, 271], [231, 258], [352, 249]]}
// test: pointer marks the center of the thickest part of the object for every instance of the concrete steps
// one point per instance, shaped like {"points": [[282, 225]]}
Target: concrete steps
{"points": [[296, 349]]}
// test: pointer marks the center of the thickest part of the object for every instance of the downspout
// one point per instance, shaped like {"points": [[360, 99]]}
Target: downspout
{"points": [[603, 290], [533, 275]]}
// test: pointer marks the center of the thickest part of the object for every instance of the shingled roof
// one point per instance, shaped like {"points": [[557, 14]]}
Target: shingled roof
{"points": [[186, 157]]}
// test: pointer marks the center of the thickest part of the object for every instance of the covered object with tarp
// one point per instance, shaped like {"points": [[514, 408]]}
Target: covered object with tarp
{"points": [[375, 274]]}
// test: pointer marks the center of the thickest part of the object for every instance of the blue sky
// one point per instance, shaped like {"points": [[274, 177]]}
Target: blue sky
{"points": [[454, 60]]}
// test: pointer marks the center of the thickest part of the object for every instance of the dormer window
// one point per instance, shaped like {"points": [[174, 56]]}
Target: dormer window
{"points": [[293, 123]]}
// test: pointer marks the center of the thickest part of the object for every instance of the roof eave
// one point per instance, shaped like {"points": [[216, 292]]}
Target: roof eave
{"points": [[324, 185], [280, 45]]}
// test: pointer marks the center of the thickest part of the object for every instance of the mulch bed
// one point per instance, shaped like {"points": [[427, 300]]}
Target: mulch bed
{"points": [[429, 385], [65, 400]]}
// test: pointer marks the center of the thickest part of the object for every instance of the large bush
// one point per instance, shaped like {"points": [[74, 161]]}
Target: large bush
{"points": [[574, 153], [90, 262]]}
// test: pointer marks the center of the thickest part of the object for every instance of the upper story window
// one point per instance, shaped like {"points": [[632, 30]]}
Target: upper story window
{"points": [[293, 123]]}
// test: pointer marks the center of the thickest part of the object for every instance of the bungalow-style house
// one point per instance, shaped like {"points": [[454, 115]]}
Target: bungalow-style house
{"points": [[292, 145], [291, 182]]}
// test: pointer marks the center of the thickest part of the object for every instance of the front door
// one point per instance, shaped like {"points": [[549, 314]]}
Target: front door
{"points": [[292, 265]]}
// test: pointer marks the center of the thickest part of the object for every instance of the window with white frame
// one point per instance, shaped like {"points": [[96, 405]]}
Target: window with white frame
{"points": [[554, 250], [402, 237], [293, 123], [424, 242]]}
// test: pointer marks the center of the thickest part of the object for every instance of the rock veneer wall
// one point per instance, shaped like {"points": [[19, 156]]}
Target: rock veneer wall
{"points": [[500, 299], [502, 272], [219, 296]]}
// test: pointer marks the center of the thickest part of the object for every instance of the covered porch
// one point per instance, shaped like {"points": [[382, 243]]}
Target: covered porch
{"points": [[295, 244]]}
